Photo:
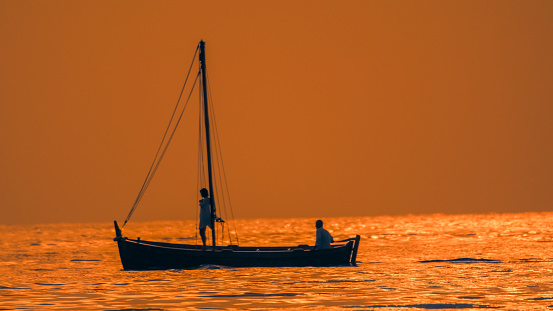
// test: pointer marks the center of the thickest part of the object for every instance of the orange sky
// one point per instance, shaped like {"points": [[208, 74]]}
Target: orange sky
{"points": [[325, 108]]}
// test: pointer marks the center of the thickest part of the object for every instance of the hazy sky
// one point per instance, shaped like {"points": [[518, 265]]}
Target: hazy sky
{"points": [[325, 108]]}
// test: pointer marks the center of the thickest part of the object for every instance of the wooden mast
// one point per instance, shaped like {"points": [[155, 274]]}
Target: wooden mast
{"points": [[208, 141]]}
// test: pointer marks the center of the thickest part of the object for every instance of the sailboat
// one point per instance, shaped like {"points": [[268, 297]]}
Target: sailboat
{"points": [[137, 254]]}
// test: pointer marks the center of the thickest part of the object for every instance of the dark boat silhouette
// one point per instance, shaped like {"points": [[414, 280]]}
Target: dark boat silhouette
{"points": [[148, 255], [139, 254]]}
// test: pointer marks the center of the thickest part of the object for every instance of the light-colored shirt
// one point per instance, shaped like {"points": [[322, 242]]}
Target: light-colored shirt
{"points": [[205, 213], [323, 239]]}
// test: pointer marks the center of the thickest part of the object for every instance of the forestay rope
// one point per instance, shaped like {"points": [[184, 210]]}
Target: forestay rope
{"points": [[164, 144]]}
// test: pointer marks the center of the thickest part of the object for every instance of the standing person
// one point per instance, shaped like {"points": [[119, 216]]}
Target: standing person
{"points": [[323, 237], [205, 214]]}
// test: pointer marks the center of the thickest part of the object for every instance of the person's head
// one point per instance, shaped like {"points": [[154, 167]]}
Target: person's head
{"points": [[204, 193], [319, 224]]}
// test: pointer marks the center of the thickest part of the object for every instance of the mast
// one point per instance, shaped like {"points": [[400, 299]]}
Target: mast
{"points": [[208, 141]]}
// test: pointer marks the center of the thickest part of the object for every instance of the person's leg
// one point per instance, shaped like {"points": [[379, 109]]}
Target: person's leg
{"points": [[202, 234]]}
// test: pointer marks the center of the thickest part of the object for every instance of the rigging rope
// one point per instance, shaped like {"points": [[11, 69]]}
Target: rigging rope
{"points": [[220, 180], [221, 167], [159, 157], [151, 172]]}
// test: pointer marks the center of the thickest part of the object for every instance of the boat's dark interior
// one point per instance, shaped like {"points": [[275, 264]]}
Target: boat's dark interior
{"points": [[231, 247]]}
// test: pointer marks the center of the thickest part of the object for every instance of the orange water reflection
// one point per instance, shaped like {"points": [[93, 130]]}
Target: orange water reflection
{"points": [[409, 262]]}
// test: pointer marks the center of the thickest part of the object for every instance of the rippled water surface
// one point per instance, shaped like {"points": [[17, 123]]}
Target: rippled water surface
{"points": [[500, 261]]}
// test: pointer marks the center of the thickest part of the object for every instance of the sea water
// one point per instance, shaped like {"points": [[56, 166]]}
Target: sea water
{"points": [[500, 261]]}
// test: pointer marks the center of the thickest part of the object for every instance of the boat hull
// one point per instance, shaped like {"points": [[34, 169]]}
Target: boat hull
{"points": [[148, 255]]}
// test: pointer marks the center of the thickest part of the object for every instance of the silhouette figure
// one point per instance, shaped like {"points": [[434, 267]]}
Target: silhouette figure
{"points": [[205, 215], [323, 237]]}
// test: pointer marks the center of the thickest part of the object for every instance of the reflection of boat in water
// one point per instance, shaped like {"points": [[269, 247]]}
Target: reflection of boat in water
{"points": [[144, 255]]}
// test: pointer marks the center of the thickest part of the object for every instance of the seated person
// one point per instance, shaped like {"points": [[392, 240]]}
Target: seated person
{"points": [[323, 237]]}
